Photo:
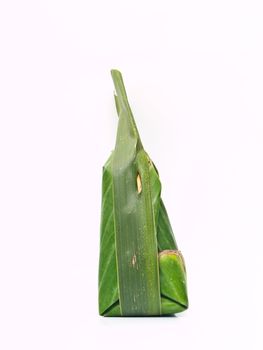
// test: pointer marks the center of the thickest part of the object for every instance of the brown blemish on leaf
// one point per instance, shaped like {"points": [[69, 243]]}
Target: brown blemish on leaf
{"points": [[170, 252], [133, 260]]}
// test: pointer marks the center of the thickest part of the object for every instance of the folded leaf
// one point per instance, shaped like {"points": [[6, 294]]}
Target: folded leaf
{"points": [[141, 272]]}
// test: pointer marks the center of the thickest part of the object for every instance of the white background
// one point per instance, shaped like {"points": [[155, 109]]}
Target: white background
{"points": [[194, 76]]}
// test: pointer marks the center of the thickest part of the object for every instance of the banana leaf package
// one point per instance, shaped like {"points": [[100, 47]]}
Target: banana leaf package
{"points": [[141, 270]]}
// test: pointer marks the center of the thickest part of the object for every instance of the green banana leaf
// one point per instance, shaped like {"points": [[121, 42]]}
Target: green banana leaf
{"points": [[141, 270]]}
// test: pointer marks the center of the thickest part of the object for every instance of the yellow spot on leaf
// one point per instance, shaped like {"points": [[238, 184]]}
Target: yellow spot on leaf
{"points": [[139, 184]]}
